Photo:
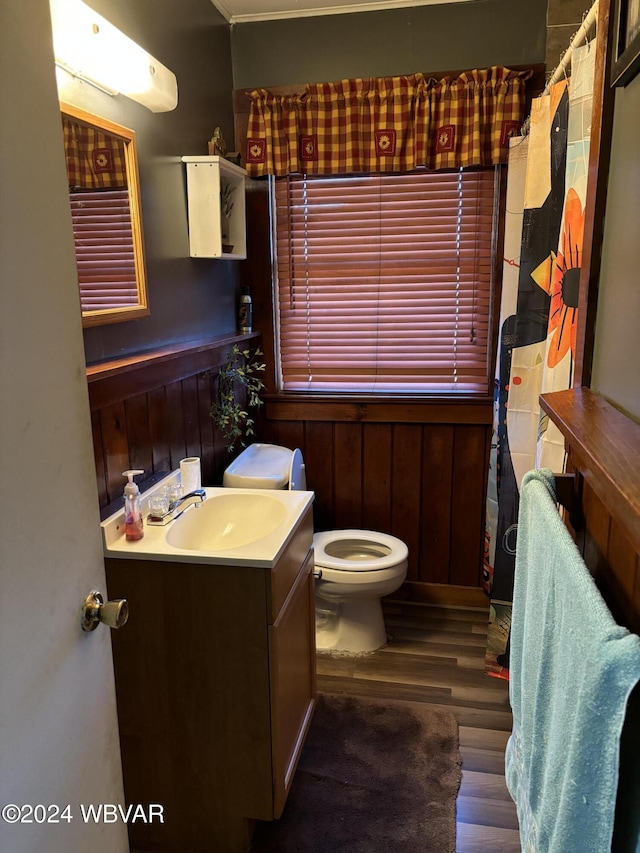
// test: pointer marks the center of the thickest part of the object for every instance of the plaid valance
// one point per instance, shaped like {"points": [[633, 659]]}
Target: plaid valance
{"points": [[95, 160], [386, 124]]}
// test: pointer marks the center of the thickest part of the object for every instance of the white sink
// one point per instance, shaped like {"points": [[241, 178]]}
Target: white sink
{"points": [[249, 527], [227, 521]]}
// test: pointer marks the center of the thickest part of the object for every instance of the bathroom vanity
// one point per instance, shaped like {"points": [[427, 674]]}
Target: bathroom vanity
{"points": [[215, 681]]}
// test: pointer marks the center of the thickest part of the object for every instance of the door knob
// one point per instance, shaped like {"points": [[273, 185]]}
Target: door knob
{"points": [[95, 610]]}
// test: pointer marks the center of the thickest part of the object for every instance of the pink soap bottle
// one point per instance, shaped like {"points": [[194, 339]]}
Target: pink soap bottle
{"points": [[134, 524]]}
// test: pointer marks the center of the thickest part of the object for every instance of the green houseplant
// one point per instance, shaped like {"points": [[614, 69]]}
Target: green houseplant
{"points": [[238, 386]]}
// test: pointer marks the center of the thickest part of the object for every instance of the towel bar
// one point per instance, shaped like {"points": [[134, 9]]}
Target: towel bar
{"points": [[569, 494]]}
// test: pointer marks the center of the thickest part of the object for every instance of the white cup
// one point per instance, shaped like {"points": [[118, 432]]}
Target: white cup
{"points": [[190, 473]]}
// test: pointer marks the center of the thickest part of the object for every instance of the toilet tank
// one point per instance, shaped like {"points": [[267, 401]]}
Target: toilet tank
{"points": [[260, 466]]}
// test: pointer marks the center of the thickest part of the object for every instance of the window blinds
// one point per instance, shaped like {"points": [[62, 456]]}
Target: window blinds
{"points": [[384, 282], [104, 249]]}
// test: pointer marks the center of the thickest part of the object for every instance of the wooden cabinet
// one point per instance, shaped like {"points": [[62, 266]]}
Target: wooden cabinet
{"points": [[215, 682], [216, 208]]}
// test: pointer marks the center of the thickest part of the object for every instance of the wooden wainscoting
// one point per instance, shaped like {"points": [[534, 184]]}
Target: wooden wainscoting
{"points": [[150, 411], [415, 470], [412, 468], [611, 557]]}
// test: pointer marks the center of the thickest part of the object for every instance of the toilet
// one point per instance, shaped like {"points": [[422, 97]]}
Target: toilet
{"points": [[354, 568]]}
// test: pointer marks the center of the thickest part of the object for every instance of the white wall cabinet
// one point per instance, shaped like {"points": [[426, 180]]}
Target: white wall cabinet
{"points": [[212, 235]]}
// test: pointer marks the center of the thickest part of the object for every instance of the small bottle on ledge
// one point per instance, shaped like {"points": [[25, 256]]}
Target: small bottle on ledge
{"points": [[245, 312]]}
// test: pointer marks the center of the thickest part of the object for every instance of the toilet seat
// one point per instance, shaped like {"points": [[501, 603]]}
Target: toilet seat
{"points": [[297, 473], [354, 550], [356, 568]]}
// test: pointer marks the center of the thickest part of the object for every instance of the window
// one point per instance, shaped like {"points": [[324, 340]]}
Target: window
{"points": [[384, 282]]}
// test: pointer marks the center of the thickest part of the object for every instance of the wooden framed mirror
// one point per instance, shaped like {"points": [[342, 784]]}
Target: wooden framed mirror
{"points": [[104, 192]]}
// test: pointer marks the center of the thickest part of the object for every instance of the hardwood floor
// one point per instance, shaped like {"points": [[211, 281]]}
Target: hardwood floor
{"points": [[436, 655]]}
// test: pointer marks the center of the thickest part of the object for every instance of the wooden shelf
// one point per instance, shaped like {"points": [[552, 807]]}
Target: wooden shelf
{"points": [[604, 444], [115, 380]]}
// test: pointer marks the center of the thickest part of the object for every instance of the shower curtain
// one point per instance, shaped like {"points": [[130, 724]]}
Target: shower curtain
{"points": [[544, 228]]}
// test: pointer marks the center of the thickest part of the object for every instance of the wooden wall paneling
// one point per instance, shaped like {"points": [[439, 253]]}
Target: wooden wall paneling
{"points": [[596, 537], [114, 387], [113, 425], [175, 424], [161, 401], [118, 379], [318, 455], [98, 453], [406, 491], [289, 434], [260, 425], [191, 415], [222, 456], [266, 431], [158, 431], [376, 477], [572, 513], [612, 560], [318, 408], [467, 505], [138, 433], [207, 451], [347, 475], [437, 467], [623, 559]]}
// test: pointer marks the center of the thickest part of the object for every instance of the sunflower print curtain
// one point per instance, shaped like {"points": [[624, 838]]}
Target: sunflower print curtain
{"points": [[546, 202]]}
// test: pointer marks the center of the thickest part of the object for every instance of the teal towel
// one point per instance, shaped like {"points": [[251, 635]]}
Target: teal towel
{"points": [[572, 669]]}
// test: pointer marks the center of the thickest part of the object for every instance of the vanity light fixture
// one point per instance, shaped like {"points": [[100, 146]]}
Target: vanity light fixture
{"points": [[90, 48]]}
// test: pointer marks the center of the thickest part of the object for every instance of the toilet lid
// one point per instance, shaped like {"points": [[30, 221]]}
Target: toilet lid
{"points": [[259, 466], [358, 550]]}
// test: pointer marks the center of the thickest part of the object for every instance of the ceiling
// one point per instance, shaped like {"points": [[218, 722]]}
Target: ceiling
{"points": [[243, 11]]}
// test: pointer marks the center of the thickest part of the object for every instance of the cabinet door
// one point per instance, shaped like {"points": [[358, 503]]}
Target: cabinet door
{"points": [[292, 658]]}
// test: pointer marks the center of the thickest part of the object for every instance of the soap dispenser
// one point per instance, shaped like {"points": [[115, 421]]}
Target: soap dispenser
{"points": [[134, 524]]}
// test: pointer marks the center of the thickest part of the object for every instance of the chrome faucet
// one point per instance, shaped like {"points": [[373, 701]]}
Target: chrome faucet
{"points": [[196, 497]]}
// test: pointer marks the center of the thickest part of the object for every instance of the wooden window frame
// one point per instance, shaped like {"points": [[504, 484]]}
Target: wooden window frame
{"points": [[140, 308]]}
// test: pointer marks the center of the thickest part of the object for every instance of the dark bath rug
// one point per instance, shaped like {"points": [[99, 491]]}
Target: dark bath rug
{"points": [[374, 777]]}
